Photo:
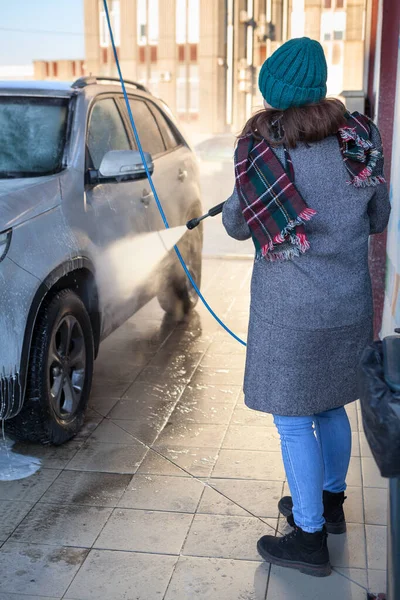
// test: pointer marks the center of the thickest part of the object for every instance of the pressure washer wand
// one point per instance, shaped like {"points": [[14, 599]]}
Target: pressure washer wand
{"points": [[215, 210]]}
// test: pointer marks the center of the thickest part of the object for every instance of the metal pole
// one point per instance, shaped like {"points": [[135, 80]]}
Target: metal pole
{"points": [[285, 20], [393, 537], [148, 49], [250, 56], [268, 16], [229, 60], [187, 62]]}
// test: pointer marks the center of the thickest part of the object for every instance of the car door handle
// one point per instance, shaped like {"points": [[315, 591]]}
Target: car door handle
{"points": [[182, 174], [146, 197]]}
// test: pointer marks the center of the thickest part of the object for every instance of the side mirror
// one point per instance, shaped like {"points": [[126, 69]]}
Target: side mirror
{"points": [[122, 165]]}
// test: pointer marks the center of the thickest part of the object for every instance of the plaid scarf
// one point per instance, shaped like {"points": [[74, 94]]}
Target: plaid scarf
{"points": [[363, 160], [272, 205]]}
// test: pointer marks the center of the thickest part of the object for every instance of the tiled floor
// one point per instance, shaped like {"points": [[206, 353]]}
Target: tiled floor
{"points": [[166, 490]]}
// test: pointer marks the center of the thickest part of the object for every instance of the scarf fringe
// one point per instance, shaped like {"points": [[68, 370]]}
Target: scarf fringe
{"points": [[366, 181], [286, 254], [299, 245], [305, 215]]}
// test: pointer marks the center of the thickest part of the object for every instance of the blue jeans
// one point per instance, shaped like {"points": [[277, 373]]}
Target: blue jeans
{"points": [[316, 454]]}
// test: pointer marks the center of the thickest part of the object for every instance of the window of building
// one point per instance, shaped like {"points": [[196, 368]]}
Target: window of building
{"points": [[333, 33], [116, 21], [181, 21], [188, 91], [187, 21], [147, 22], [148, 38], [142, 22], [333, 25], [154, 80], [187, 39], [104, 35], [193, 26], [106, 131], [181, 82], [55, 69], [339, 25], [74, 68], [142, 73], [153, 22], [148, 130], [194, 88], [115, 18]]}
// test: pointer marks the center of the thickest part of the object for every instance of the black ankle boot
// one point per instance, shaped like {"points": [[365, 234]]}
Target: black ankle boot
{"points": [[306, 552], [333, 511]]}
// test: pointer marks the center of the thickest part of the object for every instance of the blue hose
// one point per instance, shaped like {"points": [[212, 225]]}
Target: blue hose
{"points": [[153, 189]]}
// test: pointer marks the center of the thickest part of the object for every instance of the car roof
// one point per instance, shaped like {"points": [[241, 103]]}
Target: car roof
{"points": [[90, 87], [65, 89], [42, 88]]}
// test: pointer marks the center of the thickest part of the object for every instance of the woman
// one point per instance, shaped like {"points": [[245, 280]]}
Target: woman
{"points": [[309, 191]]}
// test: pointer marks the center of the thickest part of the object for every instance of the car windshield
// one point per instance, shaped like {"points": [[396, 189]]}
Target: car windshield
{"points": [[32, 136]]}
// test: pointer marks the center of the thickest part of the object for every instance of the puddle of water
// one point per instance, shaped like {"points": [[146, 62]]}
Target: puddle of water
{"points": [[14, 466]]}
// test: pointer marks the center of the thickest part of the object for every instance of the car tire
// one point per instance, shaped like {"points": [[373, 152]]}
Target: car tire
{"points": [[59, 375], [177, 297]]}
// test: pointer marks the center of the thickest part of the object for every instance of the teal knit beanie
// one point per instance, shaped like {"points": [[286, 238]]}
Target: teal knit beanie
{"points": [[294, 75]]}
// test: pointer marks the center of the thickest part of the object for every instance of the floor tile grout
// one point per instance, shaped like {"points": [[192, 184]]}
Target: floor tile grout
{"points": [[363, 505], [212, 338], [184, 542]]}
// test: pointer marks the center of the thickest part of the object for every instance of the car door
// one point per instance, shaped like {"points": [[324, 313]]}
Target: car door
{"points": [[183, 187], [173, 164], [117, 220]]}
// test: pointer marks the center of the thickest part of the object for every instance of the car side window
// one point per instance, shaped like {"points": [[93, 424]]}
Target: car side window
{"points": [[170, 138], [148, 130], [106, 131]]}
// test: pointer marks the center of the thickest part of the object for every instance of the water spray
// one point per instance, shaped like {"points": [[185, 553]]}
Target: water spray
{"points": [[151, 183]]}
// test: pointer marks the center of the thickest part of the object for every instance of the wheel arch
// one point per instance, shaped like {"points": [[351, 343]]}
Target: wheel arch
{"points": [[77, 274]]}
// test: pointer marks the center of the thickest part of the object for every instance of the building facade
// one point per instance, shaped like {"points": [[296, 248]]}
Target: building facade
{"points": [[203, 56], [59, 70]]}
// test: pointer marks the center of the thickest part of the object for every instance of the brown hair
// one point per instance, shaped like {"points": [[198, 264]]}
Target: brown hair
{"points": [[309, 123]]}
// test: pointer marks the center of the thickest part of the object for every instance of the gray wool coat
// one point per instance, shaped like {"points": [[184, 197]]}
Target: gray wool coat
{"points": [[311, 317]]}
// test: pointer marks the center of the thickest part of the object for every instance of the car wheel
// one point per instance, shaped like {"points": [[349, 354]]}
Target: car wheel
{"points": [[59, 373], [177, 295]]}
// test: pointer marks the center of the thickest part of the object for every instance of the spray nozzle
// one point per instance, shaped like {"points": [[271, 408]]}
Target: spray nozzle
{"points": [[215, 210]]}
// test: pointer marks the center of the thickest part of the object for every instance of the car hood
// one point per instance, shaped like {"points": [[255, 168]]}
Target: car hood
{"points": [[23, 199]]}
